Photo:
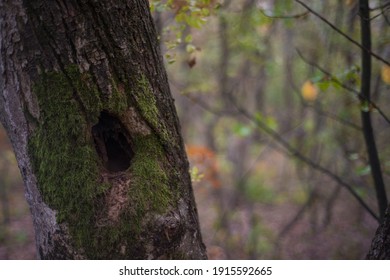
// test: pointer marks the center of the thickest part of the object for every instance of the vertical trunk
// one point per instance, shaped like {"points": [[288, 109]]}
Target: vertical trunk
{"points": [[86, 103], [366, 114]]}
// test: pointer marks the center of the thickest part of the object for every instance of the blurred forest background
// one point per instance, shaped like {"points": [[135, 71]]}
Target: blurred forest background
{"points": [[268, 95]]}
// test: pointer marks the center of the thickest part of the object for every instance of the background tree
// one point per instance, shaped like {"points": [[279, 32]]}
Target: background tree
{"points": [[86, 103], [277, 87]]}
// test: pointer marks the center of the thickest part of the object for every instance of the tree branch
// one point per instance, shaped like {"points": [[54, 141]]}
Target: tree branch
{"points": [[366, 115], [301, 15], [338, 30], [295, 153], [344, 86]]}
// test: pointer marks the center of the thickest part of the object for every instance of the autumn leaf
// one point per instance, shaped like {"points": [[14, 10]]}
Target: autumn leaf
{"points": [[385, 73], [191, 61], [205, 163], [309, 91]]}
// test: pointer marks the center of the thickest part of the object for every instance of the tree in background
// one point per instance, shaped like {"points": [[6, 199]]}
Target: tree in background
{"points": [[294, 117], [86, 103]]}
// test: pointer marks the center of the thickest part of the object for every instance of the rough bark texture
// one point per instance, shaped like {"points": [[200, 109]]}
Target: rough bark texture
{"points": [[380, 247], [85, 100]]}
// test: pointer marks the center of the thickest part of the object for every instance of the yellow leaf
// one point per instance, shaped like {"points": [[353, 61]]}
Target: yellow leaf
{"points": [[350, 2], [309, 91], [385, 73]]}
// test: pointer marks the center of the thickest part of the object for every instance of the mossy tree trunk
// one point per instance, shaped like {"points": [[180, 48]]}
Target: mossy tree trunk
{"points": [[87, 106]]}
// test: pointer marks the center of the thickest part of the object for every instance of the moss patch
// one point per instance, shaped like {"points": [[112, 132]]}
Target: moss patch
{"points": [[150, 190], [63, 152], [146, 102], [68, 167]]}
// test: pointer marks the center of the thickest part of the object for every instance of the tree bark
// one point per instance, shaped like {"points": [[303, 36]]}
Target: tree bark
{"points": [[380, 247], [87, 106], [365, 92]]}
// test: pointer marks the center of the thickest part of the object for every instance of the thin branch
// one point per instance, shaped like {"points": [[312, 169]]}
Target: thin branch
{"points": [[294, 152], [297, 16], [382, 7], [338, 30], [376, 16], [333, 117], [317, 110], [297, 154], [330, 75], [335, 80], [207, 107], [297, 216], [329, 206]]}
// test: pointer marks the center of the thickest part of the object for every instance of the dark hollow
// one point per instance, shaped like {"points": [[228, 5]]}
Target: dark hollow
{"points": [[111, 143]]}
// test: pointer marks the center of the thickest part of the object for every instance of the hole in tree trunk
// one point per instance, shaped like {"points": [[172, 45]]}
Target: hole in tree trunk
{"points": [[111, 143]]}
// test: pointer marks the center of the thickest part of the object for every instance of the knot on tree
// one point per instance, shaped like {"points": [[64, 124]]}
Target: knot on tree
{"points": [[112, 143], [169, 230]]}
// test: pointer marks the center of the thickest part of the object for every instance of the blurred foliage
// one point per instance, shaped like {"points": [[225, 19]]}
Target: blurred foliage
{"points": [[257, 72]]}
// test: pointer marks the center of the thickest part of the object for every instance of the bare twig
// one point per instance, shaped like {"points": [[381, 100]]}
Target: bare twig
{"points": [[382, 7], [329, 206], [346, 36], [297, 154], [297, 216], [333, 117], [293, 152], [301, 15]]}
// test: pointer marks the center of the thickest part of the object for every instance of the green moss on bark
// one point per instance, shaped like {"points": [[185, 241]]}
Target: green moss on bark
{"points": [[63, 151], [68, 167], [147, 102], [147, 105], [150, 190]]}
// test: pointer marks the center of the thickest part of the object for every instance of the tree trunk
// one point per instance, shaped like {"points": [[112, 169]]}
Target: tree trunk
{"points": [[380, 247], [87, 106]]}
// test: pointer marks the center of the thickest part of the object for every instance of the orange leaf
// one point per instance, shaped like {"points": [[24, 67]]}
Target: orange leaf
{"points": [[309, 91], [385, 74]]}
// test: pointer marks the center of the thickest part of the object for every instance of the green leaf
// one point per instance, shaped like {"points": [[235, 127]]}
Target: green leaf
{"points": [[354, 156], [205, 12], [318, 78], [363, 170], [190, 48], [271, 123], [259, 117], [267, 120], [196, 175], [323, 86], [242, 130], [336, 84], [188, 38]]}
